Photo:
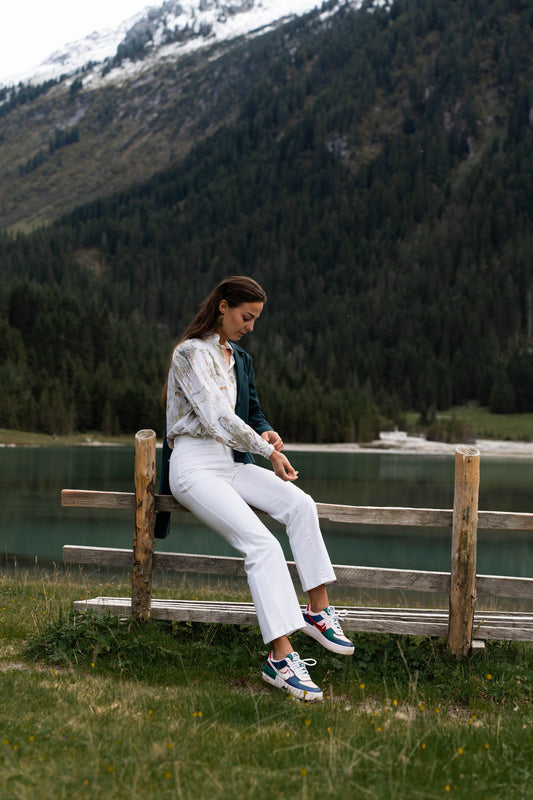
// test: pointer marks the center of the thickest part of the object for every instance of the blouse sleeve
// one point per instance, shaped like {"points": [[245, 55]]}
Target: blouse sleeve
{"points": [[195, 376]]}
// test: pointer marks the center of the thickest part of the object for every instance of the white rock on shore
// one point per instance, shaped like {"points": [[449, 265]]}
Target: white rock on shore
{"points": [[401, 442]]}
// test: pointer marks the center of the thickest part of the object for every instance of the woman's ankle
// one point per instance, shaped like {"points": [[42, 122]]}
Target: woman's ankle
{"points": [[318, 599], [280, 648]]}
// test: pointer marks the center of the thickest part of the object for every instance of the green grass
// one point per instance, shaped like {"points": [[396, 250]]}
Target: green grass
{"points": [[102, 708], [34, 439], [484, 424]]}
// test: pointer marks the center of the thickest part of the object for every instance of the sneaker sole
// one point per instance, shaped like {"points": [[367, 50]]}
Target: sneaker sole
{"points": [[300, 694], [341, 649]]}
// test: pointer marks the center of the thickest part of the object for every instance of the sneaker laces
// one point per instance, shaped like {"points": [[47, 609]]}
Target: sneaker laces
{"points": [[333, 616], [299, 666]]}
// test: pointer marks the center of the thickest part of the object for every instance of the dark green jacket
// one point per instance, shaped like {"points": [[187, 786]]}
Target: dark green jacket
{"points": [[247, 408]]}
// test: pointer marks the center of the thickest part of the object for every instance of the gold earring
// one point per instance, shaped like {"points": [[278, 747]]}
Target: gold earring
{"points": [[220, 320]]}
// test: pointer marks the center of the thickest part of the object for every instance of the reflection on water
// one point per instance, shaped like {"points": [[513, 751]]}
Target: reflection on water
{"points": [[35, 525]]}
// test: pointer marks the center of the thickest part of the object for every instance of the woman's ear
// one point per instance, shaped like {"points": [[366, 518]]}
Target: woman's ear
{"points": [[223, 306]]}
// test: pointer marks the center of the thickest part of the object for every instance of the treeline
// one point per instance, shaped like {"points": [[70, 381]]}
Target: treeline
{"points": [[379, 184], [69, 365]]}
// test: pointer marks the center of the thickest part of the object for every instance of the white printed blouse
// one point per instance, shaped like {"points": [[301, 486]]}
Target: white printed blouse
{"points": [[201, 397]]}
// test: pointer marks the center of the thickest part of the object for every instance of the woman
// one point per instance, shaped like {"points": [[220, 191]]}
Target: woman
{"points": [[214, 424]]}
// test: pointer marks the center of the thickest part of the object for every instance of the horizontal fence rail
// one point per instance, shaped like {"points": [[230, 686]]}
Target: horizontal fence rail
{"points": [[362, 515], [349, 576]]}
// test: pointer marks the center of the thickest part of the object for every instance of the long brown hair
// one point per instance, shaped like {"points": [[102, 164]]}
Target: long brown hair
{"points": [[235, 290]]}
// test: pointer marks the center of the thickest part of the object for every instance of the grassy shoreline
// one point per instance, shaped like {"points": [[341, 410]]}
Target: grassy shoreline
{"points": [[15, 438], [108, 710], [484, 424]]}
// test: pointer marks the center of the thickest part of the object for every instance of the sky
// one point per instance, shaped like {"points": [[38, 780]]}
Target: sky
{"points": [[31, 30]]}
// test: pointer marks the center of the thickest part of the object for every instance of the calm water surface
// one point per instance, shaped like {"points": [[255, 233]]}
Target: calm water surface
{"points": [[35, 526]]}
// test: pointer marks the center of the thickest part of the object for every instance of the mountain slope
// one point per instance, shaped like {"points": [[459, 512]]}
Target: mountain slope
{"points": [[80, 130], [377, 179]]}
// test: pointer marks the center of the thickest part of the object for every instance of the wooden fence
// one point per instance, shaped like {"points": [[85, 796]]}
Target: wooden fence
{"points": [[461, 583]]}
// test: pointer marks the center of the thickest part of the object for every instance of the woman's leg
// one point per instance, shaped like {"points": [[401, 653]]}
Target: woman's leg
{"points": [[288, 504], [213, 500]]}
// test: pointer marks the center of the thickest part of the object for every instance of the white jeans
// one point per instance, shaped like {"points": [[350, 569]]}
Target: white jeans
{"points": [[205, 479]]}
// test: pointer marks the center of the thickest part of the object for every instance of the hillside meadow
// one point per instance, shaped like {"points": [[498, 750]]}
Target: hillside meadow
{"points": [[102, 708]]}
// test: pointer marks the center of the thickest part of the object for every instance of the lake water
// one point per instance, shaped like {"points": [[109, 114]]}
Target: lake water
{"points": [[34, 526]]}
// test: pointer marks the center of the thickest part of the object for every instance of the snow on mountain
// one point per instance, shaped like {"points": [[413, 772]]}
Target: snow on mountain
{"points": [[96, 46], [174, 28]]}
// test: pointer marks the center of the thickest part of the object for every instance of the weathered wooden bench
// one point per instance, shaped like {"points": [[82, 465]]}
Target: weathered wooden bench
{"points": [[462, 625]]}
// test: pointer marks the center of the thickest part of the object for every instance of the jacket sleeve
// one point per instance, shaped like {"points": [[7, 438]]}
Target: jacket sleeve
{"points": [[256, 418], [196, 378]]}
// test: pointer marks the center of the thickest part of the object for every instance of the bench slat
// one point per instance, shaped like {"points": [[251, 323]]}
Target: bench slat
{"points": [[432, 622]]}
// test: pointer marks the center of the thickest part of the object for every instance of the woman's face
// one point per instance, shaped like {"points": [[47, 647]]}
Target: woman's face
{"points": [[239, 320]]}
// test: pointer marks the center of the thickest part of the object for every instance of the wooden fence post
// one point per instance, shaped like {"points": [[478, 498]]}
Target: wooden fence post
{"points": [[464, 551], [143, 537]]}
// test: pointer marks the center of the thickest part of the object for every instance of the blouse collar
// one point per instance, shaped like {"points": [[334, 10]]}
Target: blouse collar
{"points": [[214, 339]]}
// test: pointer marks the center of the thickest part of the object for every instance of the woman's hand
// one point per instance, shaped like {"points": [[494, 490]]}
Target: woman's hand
{"points": [[273, 438], [283, 467]]}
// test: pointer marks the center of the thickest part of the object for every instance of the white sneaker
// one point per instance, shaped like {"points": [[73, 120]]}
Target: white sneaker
{"points": [[291, 675], [325, 628]]}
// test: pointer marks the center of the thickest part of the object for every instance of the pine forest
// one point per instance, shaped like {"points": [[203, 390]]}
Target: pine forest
{"points": [[375, 175]]}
